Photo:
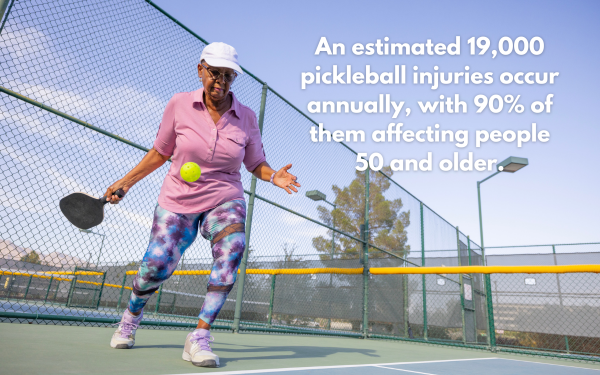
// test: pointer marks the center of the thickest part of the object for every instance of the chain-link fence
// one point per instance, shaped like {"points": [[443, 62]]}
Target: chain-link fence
{"points": [[82, 91]]}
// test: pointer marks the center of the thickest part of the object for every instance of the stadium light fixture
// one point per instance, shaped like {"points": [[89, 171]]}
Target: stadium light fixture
{"points": [[101, 245], [510, 165], [316, 195]]}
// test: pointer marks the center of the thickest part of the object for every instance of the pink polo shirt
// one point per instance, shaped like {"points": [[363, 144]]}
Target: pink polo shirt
{"points": [[188, 134]]}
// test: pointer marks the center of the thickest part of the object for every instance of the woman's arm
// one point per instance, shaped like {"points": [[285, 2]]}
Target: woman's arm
{"points": [[151, 162], [282, 178]]}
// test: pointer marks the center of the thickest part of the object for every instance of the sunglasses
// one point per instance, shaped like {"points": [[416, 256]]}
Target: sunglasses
{"points": [[216, 74]]}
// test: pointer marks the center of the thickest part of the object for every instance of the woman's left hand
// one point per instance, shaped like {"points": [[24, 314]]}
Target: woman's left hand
{"points": [[286, 180]]}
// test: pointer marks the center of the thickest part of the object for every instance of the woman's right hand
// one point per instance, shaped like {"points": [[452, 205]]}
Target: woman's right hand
{"points": [[110, 192]]}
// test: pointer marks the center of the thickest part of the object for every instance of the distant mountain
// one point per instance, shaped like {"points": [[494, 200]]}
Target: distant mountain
{"points": [[8, 250]]}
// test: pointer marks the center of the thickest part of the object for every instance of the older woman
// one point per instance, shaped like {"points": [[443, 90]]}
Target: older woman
{"points": [[213, 129]]}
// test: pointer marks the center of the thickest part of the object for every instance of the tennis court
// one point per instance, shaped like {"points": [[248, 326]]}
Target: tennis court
{"points": [[85, 350]]}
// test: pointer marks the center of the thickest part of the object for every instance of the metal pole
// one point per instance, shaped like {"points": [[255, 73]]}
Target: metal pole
{"points": [[100, 252], [3, 6], [101, 290], [121, 292], [480, 219], [461, 286], [469, 250], [423, 280], [557, 277], [490, 311], [27, 288], [366, 260], [242, 277], [473, 288], [332, 255], [158, 299], [567, 344], [3, 13], [48, 290], [406, 300], [480, 222], [56, 291], [271, 301]]}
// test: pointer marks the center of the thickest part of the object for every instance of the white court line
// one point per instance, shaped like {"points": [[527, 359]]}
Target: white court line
{"points": [[332, 367], [399, 369]]}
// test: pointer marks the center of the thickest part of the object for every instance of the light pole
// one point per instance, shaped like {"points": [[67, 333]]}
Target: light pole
{"points": [[101, 245], [510, 165], [316, 195]]}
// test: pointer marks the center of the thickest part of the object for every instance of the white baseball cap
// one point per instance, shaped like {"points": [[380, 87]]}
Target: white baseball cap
{"points": [[221, 55]]}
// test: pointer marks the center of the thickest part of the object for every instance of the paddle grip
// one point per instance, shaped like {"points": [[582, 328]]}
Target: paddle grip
{"points": [[119, 193]]}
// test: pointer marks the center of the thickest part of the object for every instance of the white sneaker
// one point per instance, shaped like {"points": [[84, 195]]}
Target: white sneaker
{"points": [[124, 336], [197, 349]]}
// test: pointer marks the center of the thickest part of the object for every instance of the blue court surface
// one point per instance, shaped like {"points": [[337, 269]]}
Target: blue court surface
{"points": [[483, 366]]}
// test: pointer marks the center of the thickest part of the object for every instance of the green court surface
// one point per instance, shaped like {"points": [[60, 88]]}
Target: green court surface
{"points": [[47, 349]]}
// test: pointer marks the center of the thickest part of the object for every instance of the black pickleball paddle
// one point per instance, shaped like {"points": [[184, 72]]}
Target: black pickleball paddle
{"points": [[85, 211]]}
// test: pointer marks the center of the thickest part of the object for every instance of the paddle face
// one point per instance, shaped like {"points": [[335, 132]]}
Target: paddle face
{"points": [[84, 211]]}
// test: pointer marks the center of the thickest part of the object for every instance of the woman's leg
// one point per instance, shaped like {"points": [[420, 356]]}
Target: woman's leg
{"points": [[224, 226], [171, 235]]}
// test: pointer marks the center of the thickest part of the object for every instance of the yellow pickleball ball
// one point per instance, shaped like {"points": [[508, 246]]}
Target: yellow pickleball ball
{"points": [[190, 171]]}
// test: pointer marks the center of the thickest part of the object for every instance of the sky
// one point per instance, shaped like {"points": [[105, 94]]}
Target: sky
{"points": [[553, 200]]}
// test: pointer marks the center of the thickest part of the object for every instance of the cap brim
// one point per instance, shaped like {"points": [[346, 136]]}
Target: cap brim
{"points": [[222, 63]]}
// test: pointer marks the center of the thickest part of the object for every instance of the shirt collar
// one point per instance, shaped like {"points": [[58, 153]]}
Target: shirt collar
{"points": [[235, 104]]}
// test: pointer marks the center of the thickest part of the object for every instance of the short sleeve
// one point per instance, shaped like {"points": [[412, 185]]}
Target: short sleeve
{"points": [[166, 136], [255, 153]]}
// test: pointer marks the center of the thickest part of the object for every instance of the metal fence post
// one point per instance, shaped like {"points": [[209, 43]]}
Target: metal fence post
{"points": [[490, 312], [56, 290], [406, 299], [461, 286], [242, 276], [366, 260], [122, 288], [423, 280], [27, 288], [560, 299], [271, 301], [158, 299], [48, 290], [3, 12], [101, 290]]}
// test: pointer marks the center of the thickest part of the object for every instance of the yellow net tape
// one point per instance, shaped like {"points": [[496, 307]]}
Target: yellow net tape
{"points": [[65, 273], [584, 268], [64, 279], [280, 271]]}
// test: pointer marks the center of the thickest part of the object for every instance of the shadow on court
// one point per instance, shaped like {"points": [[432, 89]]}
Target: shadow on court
{"points": [[266, 353]]}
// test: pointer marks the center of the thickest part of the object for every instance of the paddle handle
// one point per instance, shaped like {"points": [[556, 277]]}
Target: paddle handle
{"points": [[119, 193]]}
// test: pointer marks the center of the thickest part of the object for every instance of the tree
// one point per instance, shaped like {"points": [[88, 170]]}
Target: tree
{"points": [[288, 251], [31, 257], [387, 221]]}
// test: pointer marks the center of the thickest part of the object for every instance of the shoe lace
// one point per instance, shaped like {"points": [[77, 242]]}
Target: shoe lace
{"points": [[127, 328], [202, 341]]}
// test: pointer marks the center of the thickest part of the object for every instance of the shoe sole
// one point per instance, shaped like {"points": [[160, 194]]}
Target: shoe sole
{"points": [[121, 346], [206, 363]]}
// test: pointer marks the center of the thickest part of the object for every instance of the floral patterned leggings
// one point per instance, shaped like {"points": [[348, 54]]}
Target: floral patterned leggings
{"points": [[173, 233]]}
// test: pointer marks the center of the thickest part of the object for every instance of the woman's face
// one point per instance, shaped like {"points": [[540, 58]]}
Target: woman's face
{"points": [[218, 89]]}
